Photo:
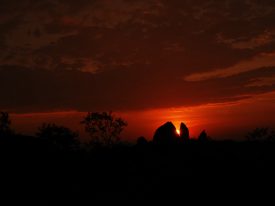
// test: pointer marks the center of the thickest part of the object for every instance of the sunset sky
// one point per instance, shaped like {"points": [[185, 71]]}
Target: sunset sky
{"points": [[208, 63]]}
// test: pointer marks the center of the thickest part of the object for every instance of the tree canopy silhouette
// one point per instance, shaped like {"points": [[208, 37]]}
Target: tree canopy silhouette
{"points": [[5, 123], [57, 135], [103, 128]]}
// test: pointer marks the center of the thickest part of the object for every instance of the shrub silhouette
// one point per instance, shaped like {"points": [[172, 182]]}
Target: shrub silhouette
{"points": [[103, 128], [203, 137], [5, 123], [57, 136], [141, 141], [261, 134]]}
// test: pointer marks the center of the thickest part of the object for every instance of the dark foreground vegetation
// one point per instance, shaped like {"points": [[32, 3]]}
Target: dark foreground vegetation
{"points": [[32, 171], [43, 171]]}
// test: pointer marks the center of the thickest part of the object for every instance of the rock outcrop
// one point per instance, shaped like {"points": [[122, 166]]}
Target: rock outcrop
{"points": [[165, 134], [184, 132]]}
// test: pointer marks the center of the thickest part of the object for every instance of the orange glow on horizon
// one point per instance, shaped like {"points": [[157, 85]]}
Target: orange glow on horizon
{"points": [[220, 120], [178, 131]]}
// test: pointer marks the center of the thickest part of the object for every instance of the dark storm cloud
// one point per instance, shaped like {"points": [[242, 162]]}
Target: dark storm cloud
{"points": [[125, 54]]}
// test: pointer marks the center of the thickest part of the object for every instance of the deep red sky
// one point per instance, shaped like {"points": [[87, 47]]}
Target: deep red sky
{"points": [[209, 63]]}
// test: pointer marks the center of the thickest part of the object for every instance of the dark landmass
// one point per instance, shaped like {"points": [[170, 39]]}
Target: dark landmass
{"points": [[34, 171]]}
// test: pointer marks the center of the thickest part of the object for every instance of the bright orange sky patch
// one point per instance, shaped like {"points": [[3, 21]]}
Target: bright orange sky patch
{"points": [[226, 120]]}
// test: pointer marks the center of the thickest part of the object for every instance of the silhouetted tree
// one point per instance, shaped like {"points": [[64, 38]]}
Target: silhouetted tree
{"points": [[141, 141], [165, 134], [184, 132], [203, 137], [5, 123], [104, 128], [261, 134], [58, 136]]}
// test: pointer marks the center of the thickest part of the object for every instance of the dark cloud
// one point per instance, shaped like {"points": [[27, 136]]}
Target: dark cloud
{"points": [[37, 90], [125, 54]]}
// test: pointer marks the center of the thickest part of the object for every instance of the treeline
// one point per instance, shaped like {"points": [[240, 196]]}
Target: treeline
{"points": [[104, 130], [55, 168]]}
